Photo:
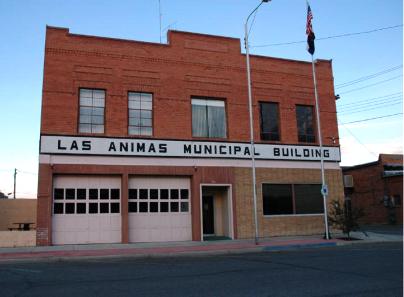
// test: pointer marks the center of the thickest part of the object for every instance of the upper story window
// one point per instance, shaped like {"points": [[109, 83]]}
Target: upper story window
{"points": [[140, 113], [305, 123], [208, 118], [92, 104], [269, 121]]}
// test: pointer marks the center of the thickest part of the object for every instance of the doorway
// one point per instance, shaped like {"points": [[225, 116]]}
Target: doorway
{"points": [[216, 212]]}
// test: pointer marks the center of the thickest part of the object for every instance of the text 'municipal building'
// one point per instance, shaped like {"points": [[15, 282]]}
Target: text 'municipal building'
{"points": [[147, 142]]}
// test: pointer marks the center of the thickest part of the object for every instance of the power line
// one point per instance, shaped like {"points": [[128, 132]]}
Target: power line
{"points": [[370, 119], [369, 104], [360, 142], [331, 37], [371, 85], [363, 78], [377, 107], [371, 99]]}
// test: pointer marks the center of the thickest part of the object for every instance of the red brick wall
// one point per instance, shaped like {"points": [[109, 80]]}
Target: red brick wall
{"points": [[369, 189], [190, 65]]}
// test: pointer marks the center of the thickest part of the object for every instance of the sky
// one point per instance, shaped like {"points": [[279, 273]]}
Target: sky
{"points": [[375, 59]]}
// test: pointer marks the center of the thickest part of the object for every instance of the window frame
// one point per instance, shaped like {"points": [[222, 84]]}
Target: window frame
{"points": [[294, 214], [314, 124], [206, 98], [279, 120], [128, 114], [104, 114]]}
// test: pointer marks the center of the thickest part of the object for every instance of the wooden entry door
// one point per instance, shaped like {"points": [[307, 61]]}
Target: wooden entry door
{"points": [[208, 215]]}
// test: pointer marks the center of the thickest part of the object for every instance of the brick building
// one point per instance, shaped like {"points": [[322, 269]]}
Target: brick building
{"points": [[377, 188], [149, 142]]}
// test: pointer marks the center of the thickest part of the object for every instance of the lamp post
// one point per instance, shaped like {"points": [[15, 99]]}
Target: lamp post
{"points": [[251, 118]]}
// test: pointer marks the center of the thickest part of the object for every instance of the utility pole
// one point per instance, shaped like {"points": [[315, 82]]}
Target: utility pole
{"points": [[15, 180]]}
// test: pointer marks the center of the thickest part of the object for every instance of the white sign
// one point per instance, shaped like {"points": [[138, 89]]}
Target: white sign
{"points": [[80, 145]]}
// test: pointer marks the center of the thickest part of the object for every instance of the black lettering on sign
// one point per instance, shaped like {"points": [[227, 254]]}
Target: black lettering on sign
{"points": [[112, 147], [326, 153], [163, 148], [141, 147], [222, 149], [74, 146], [277, 152], [297, 153], [246, 151], [152, 148], [237, 149], [123, 146], [306, 152], [86, 144], [60, 147], [187, 149]]}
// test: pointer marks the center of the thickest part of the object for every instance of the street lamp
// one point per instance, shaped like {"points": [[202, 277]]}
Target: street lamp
{"points": [[251, 118]]}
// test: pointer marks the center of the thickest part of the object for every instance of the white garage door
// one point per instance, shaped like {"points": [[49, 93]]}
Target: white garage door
{"points": [[86, 209], [159, 209]]}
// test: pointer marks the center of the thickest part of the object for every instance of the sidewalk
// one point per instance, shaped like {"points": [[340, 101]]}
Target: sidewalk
{"points": [[185, 248]]}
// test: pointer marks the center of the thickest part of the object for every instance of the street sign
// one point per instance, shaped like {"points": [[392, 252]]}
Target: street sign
{"points": [[324, 190]]}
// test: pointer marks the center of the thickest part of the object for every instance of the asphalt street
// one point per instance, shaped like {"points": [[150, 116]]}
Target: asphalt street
{"points": [[354, 270]]}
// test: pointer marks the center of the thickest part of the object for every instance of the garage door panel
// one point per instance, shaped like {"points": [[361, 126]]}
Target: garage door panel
{"points": [[156, 213], [88, 221]]}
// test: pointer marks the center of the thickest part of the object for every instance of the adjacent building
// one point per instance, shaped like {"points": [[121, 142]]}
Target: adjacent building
{"points": [[377, 188], [148, 142]]}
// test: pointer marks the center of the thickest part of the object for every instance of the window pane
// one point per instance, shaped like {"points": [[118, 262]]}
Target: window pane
{"points": [[85, 128], [69, 208], [98, 102], [97, 111], [216, 122], [143, 194], [199, 121], [104, 193], [174, 206], [146, 97], [58, 208], [154, 206], [184, 193], [86, 111], [184, 206], [305, 123], [132, 206], [308, 199], [81, 193], [70, 193], [174, 194], [134, 130], [269, 121], [164, 194], [143, 207], [104, 207], [81, 208], [145, 114], [146, 105], [134, 104], [98, 120], [99, 94], [163, 206], [93, 208], [58, 194], [154, 194], [93, 193], [115, 193], [132, 193], [84, 101], [146, 122], [97, 128], [134, 121], [277, 199], [134, 96], [134, 113], [114, 207], [146, 131]]}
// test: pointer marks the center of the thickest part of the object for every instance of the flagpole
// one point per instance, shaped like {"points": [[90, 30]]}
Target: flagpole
{"points": [[250, 107], [320, 140]]}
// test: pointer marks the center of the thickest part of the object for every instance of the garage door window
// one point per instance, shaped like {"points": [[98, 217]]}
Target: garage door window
{"points": [[158, 200], [86, 201]]}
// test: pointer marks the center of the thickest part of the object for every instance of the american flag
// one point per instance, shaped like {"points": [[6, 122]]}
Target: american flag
{"points": [[309, 28]]}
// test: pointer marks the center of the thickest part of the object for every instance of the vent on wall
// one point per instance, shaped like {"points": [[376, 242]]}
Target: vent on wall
{"points": [[348, 181]]}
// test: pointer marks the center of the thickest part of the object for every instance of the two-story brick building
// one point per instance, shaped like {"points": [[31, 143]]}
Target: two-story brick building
{"points": [[149, 142]]}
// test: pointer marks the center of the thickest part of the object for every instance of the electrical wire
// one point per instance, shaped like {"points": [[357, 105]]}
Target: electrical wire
{"points": [[370, 119], [363, 78], [331, 37], [357, 139], [373, 108], [371, 85], [371, 99], [369, 104]]}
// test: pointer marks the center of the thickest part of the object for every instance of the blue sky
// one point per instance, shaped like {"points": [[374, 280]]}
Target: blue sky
{"points": [[22, 48]]}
